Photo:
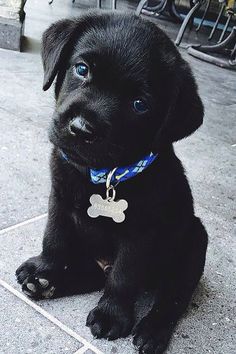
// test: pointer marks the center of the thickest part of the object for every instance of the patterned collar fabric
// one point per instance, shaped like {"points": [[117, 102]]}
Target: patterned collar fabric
{"points": [[121, 174]]}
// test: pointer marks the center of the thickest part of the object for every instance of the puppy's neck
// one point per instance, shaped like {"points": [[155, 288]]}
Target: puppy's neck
{"points": [[121, 174]]}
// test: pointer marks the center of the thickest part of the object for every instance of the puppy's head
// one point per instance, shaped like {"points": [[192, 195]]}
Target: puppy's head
{"points": [[122, 89]]}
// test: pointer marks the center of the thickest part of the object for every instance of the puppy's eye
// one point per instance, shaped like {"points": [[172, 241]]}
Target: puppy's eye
{"points": [[140, 106], [81, 70]]}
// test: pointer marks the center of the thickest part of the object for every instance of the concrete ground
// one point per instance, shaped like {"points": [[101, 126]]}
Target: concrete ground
{"points": [[58, 326]]}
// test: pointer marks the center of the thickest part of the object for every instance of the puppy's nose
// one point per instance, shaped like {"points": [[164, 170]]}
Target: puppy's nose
{"points": [[80, 127]]}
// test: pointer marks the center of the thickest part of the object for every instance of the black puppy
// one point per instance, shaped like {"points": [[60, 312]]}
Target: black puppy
{"points": [[123, 96]]}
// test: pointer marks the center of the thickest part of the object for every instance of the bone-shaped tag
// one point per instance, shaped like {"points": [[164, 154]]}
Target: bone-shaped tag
{"points": [[109, 208]]}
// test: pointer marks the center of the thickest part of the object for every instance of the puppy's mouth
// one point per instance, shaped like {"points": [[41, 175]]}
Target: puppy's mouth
{"points": [[72, 157], [93, 151], [71, 152]]}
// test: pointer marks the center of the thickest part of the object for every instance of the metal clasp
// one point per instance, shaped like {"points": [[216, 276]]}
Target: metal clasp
{"points": [[111, 197], [110, 192]]}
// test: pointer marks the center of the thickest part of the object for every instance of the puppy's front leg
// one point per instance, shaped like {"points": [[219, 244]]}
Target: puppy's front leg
{"points": [[113, 316], [53, 272], [173, 294], [39, 276]]}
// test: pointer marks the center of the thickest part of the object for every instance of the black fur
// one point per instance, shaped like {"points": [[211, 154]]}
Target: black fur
{"points": [[161, 245]]}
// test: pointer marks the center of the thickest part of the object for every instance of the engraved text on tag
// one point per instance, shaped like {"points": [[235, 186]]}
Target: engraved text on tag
{"points": [[107, 207]]}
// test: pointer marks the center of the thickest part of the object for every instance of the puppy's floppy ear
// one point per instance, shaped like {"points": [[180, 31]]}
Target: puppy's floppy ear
{"points": [[55, 43], [185, 112]]}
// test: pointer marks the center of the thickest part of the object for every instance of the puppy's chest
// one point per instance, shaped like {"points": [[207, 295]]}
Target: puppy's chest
{"points": [[94, 203], [98, 227], [98, 234], [91, 212]]}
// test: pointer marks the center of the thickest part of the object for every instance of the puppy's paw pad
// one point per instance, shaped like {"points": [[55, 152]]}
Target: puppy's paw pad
{"points": [[38, 288], [31, 287], [38, 278]]}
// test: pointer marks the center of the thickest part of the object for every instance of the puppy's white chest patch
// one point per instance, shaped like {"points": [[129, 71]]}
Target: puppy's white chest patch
{"points": [[107, 207]]}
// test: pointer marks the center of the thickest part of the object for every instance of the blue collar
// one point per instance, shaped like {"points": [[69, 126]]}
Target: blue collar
{"points": [[121, 174]]}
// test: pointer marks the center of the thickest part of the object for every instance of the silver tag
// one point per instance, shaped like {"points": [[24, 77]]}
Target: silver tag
{"points": [[107, 207]]}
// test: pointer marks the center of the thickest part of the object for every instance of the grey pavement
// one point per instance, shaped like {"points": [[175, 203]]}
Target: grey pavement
{"points": [[209, 159], [11, 23], [32, 333]]}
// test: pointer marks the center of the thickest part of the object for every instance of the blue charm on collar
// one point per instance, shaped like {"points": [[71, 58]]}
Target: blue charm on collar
{"points": [[122, 173]]}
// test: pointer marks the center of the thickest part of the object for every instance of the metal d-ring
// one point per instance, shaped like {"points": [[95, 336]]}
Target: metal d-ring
{"points": [[109, 197], [109, 177], [110, 187]]}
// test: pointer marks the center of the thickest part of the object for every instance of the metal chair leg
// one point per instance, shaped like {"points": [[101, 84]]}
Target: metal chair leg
{"points": [[188, 17], [163, 7], [174, 13], [204, 16], [217, 22], [233, 54], [225, 28], [140, 7], [223, 63], [232, 60], [113, 5], [155, 8], [219, 47], [203, 52]]}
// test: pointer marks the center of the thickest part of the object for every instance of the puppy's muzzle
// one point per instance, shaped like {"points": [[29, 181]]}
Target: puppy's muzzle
{"points": [[80, 128]]}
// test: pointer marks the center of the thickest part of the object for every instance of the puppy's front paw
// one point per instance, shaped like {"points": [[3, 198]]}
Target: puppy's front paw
{"points": [[109, 320], [36, 278], [150, 337]]}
